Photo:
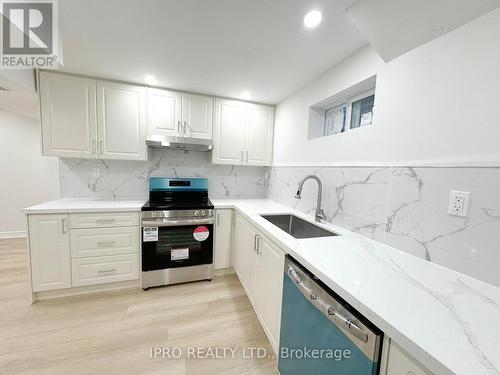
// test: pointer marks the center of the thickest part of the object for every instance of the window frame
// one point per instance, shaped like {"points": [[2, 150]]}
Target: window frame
{"points": [[356, 98], [349, 102], [336, 107]]}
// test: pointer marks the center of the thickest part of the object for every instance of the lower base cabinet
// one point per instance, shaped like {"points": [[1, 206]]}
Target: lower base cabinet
{"points": [[222, 240], [102, 270], [259, 266], [401, 363], [269, 287], [80, 250], [50, 256]]}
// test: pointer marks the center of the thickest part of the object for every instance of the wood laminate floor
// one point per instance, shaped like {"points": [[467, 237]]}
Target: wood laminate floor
{"points": [[114, 332]]}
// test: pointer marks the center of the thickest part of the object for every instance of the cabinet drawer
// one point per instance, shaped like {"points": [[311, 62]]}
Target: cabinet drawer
{"points": [[104, 219], [101, 270], [104, 241]]}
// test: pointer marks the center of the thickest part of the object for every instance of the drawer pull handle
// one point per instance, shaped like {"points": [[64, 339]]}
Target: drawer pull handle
{"points": [[107, 271], [105, 220], [106, 243]]}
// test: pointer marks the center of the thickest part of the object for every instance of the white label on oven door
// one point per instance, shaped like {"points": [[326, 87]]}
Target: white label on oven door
{"points": [[150, 234], [179, 254]]}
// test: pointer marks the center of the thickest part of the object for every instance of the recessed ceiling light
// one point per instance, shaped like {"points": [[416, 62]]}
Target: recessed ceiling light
{"points": [[312, 19], [150, 79], [245, 95]]}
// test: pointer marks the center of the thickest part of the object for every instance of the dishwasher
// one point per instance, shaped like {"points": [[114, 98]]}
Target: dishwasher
{"points": [[320, 332]]}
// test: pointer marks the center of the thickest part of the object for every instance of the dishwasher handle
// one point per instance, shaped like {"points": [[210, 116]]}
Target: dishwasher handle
{"points": [[342, 321]]}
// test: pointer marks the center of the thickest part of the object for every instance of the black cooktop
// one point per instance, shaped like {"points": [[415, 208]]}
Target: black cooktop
{"points": [[203, 204], [177, 194]]}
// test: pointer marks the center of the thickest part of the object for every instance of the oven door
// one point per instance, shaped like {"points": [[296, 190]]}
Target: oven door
{"points": [[178, 245]]}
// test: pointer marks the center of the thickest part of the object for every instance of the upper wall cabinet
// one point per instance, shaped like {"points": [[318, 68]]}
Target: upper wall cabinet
{"points": [[68, 115], [85, 118], [259, 137], [197, 115], [164, 112], [243, 133], [121, 119], [171, 113], [229, 132]]}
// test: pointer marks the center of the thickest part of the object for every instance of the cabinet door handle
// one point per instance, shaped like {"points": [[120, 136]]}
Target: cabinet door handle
{"points": [[258, 245], [179, 127], [185, 127], [101, 147], [255, 240], [247, 156], [110, 220], [93, 146], [63, 226], [105, 243], [241, 156], [106, 271], [218, 218]]}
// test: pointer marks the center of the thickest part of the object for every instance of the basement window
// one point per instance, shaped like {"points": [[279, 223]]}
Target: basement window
{"points": [[350, 109], [355, 113]]}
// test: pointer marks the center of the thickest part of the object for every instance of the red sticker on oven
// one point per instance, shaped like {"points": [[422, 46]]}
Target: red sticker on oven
{"points": [[201, 233]]}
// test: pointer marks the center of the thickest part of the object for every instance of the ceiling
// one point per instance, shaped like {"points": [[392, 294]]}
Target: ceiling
{"points": [[220, 47]]}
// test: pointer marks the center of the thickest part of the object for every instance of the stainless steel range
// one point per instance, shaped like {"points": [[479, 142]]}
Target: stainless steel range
{"points": [[177, 232]]}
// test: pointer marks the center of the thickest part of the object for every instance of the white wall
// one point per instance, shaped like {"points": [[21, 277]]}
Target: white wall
{"points": [[27, 177], [437, 104]]}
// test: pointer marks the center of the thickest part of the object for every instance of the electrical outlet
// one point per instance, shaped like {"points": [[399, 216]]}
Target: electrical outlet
{"points": [[97, 172], [459, 203]]}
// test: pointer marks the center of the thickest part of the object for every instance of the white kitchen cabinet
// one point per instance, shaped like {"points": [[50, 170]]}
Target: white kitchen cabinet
{"points": [[107, 269], [50, 256], [197, 115], [121, 121], [238, 243], [229, 132], [68, 115], [244, 255], [401, 363], [104, 219], [164, 112], [71, 252], [222, 243], [259, 137], [176, 114], [95, 242], [243, 133], [269, 287], [259, 266]]}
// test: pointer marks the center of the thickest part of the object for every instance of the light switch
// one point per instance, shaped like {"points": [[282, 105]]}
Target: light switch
{"points": [[459, 203], [97, 172]]}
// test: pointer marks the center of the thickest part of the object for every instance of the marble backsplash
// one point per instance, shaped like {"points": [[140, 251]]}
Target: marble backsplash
{"points": [[129, 179], [407, 208], [403, 207]]}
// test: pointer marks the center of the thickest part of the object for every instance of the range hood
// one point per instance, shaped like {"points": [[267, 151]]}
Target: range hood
{"points": [[179, 143]]}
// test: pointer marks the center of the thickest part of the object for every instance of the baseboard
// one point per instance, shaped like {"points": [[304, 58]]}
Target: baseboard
{"points": [[224, 271], [13, 234]]}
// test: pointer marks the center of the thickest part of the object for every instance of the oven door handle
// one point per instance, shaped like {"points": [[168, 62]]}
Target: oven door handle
{"points": [[176, 223]]}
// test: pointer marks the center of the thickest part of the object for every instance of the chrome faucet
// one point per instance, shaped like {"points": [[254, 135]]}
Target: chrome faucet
{"points": [[320, 215]]}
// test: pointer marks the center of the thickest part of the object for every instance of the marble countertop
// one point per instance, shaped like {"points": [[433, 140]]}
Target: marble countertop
{"points": [[85, 205], [448, 321]]}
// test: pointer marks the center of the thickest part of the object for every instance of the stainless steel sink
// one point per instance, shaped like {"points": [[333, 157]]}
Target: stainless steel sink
{"points": [[297, 227]]}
